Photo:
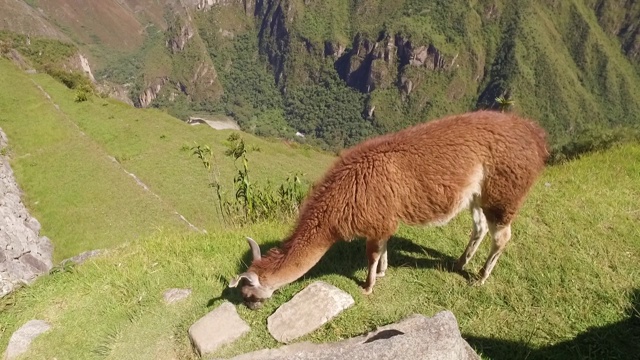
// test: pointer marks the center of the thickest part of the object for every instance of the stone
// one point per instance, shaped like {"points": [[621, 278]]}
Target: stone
{"points": [[307, 311], [174, 295], [82, 257], [25, 254], [34, 263], [21, 339], [415, 337], [219, 327]]}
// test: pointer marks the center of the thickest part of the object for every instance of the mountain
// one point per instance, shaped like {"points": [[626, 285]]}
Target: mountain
{"points": [[340, 71]]}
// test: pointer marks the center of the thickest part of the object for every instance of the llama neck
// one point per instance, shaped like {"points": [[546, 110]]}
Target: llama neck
{"points": [[295, 257]]}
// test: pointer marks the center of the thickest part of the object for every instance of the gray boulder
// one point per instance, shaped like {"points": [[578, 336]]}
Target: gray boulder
{"points": [[415, 337], [24, 254]]}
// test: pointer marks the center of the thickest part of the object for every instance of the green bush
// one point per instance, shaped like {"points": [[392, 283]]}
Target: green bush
{"points": [[592, 139], [250, 202]]}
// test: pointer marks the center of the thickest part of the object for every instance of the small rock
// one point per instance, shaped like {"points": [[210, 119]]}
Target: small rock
{"points": [[22, 338], [547, 184], [307, 311], [219, 327], [174, 295], [82, 257]]}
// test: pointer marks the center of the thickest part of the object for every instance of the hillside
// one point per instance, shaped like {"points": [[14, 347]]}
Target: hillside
{"points": [[564, 288], [342, 71], [74, 161], [101, 174]]}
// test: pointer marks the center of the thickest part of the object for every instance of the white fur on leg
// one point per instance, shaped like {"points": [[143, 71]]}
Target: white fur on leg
{"points": [[382, 267], [501, 237], [480, 229]]}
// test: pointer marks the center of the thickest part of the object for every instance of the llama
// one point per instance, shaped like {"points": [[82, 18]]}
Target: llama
{"points": [[484, 161]]}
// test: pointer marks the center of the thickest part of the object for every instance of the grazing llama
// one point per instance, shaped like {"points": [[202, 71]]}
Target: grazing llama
{"points": [[484, 161]]}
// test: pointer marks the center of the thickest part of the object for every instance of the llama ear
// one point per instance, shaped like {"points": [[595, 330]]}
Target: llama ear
{"points": [[255, 249], [251, 276]]}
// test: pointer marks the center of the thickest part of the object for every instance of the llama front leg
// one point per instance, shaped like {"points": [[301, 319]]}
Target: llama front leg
{"points": [[375, 250], [501, 235], [480, 229]]}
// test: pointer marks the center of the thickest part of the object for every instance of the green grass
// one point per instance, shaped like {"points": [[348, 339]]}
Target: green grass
{"points": [[152, 145], [84, 200], [561, 290]]}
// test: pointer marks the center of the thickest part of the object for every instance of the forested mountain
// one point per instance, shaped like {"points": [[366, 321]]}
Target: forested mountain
{"points": [[340, 71]]}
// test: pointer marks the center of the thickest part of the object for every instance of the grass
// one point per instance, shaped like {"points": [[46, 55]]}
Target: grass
{"points": [[562, 289], [153, 146], [62, 160], [566, 287], [80, 196]]}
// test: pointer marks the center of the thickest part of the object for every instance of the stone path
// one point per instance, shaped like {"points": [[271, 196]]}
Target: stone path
{"points": [[415, 337], [307, 311], [219, 327]]}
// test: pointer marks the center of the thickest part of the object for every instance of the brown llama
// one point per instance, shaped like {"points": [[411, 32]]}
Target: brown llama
{"points": [[484, 161]]}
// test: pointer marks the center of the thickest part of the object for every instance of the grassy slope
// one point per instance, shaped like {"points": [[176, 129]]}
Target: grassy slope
{"points": [[594, 84], [152, 144], [570, 266], [70, 179], [80, 196]]}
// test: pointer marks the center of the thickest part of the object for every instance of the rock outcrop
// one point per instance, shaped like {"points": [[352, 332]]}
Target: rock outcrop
{"points": [[380, 64], [151, 92], [24, 254]]}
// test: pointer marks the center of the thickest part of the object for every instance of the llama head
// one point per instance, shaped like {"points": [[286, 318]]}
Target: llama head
{"points": [[253, 293]]}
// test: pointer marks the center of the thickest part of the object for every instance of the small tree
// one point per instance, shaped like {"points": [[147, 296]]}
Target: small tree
{"points": [[504, 103]]}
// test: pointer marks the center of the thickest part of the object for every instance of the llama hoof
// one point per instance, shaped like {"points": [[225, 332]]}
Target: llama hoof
{"points": [[380, 274], [367, 290], [477, 282]]}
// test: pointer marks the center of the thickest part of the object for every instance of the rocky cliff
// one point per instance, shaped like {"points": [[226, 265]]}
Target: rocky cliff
{"points": [[24, 254]]}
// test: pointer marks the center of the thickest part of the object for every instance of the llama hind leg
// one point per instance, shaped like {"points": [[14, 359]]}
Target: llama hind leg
{"points": [[384, 263], [375, 250], [501, 235], [480, 229]]}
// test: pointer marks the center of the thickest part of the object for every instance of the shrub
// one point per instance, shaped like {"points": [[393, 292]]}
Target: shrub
{"points": [[251, 202], [592, 139]]}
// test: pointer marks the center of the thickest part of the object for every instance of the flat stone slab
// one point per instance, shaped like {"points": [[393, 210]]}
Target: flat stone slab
{"points": [[219, 327], [22, 338], [307, 311], [415, 337], [174, 295]]}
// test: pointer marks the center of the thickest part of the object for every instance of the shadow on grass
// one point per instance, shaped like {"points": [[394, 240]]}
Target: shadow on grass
{"points": [[618, 341], [348, 257]]}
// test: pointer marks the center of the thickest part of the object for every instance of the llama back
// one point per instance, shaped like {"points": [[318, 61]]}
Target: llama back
{"points": [[425, 173]]}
